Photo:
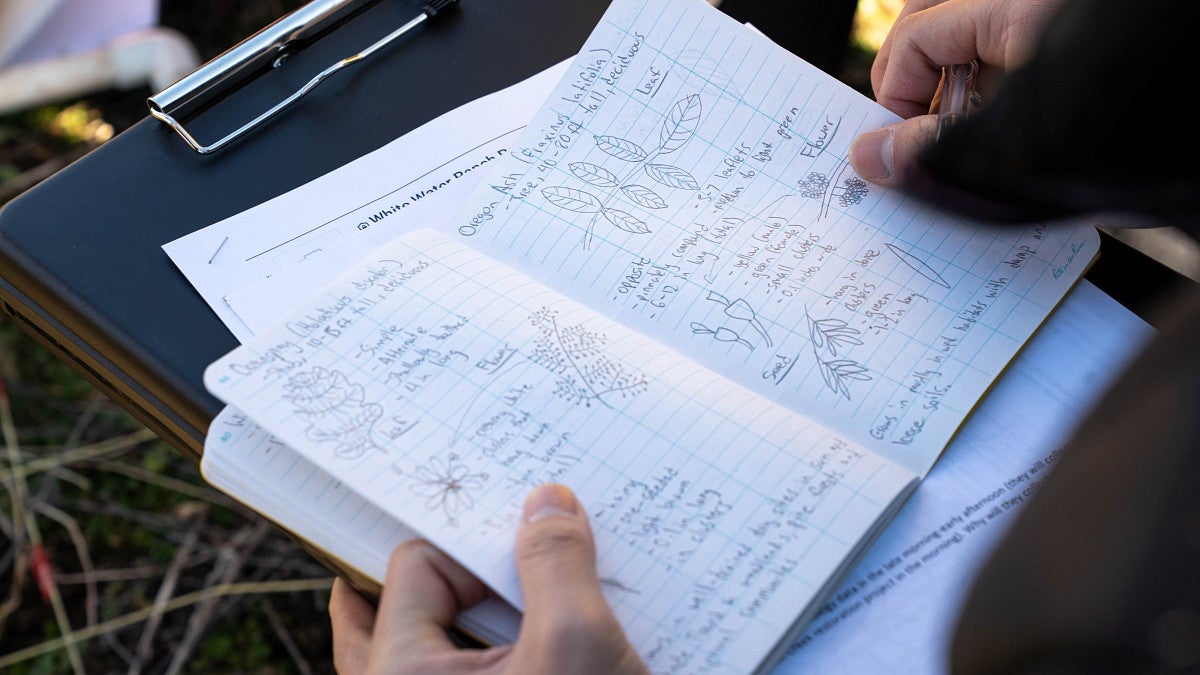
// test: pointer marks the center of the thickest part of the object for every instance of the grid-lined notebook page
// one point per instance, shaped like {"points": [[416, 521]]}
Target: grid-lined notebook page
{"points": [[443, 386], [244, 461], [689, 178]]}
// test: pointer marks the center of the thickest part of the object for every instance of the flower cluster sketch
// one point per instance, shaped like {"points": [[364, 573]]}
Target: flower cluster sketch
{"points": [[603, 185], [816, 185], [829, 336], [575, 355], [447, 486], [853, 190], [336, 410]]}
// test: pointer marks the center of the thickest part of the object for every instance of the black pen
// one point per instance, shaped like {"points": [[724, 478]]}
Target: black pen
{"points": [[958, 97]]}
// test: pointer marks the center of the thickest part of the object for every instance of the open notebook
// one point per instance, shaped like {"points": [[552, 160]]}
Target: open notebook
{"points": [[674, 296]]}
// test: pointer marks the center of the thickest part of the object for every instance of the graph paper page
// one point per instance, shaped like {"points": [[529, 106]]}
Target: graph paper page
{"points": [[689, 178], [443, 387]]}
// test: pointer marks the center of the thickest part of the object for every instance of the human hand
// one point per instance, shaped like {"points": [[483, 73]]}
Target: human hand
{"points": [[927, 35], [568, 626]]}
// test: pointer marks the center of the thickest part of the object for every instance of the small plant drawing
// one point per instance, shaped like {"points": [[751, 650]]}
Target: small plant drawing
{"points": [[836, 372], [919, 266], [740, 310], [814, 185], [576, 356], [721, 334], [336, 410], [447, 485], [830, 336], [676, 130], [852, 191]]}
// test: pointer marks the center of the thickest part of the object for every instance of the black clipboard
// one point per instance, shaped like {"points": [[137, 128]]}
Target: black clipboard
{"points": [[81, 263]]}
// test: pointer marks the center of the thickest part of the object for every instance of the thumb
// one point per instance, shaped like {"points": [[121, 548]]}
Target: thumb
{"points": [[884, 155], [556, 555], [568, 626]]}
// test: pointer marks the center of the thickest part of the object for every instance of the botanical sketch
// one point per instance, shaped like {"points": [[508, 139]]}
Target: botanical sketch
{"points": [[585, 374], [829, 336], [448, 486], [603, 186], [850, 191], [336, 411], [738, 310]]}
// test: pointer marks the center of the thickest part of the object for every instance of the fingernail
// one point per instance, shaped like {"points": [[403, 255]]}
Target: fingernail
{"points": [[871, 154], [550, 500]]}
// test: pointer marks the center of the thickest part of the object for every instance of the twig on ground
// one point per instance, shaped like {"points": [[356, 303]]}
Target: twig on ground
{"points": [[165, 590], [20, 573], [103, 576], [167, 524], [229, 563], [285, 637], [174, 484], [81, 551], [246, 588], [94, 406], [53, 460], [21, 491]]}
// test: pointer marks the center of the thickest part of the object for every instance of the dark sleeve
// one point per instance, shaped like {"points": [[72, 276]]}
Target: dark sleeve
{"points": [[1101, 571], [1093, 122]]}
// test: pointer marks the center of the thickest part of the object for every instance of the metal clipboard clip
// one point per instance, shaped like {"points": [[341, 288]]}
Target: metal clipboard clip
{"points": [[268, 48]]}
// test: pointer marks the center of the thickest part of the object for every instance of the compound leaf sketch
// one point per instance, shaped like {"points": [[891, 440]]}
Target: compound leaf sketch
{"points": [[594, 174], [572, 199], [837, 372], [336, 410], [621, 148], [644, 197], [680, 124], [672, 176], [678, 127], [626, 221], [447, 486]]}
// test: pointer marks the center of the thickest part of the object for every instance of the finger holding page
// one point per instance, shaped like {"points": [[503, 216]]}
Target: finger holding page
{"points": [[908, 68], [351, 617], [423, 593], [568, 625], [926, 53]]}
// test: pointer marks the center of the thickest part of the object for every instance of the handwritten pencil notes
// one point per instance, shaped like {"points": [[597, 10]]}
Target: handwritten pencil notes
{"points": [[689, 178], [443, 386], [244, 461], [749, 357]]}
